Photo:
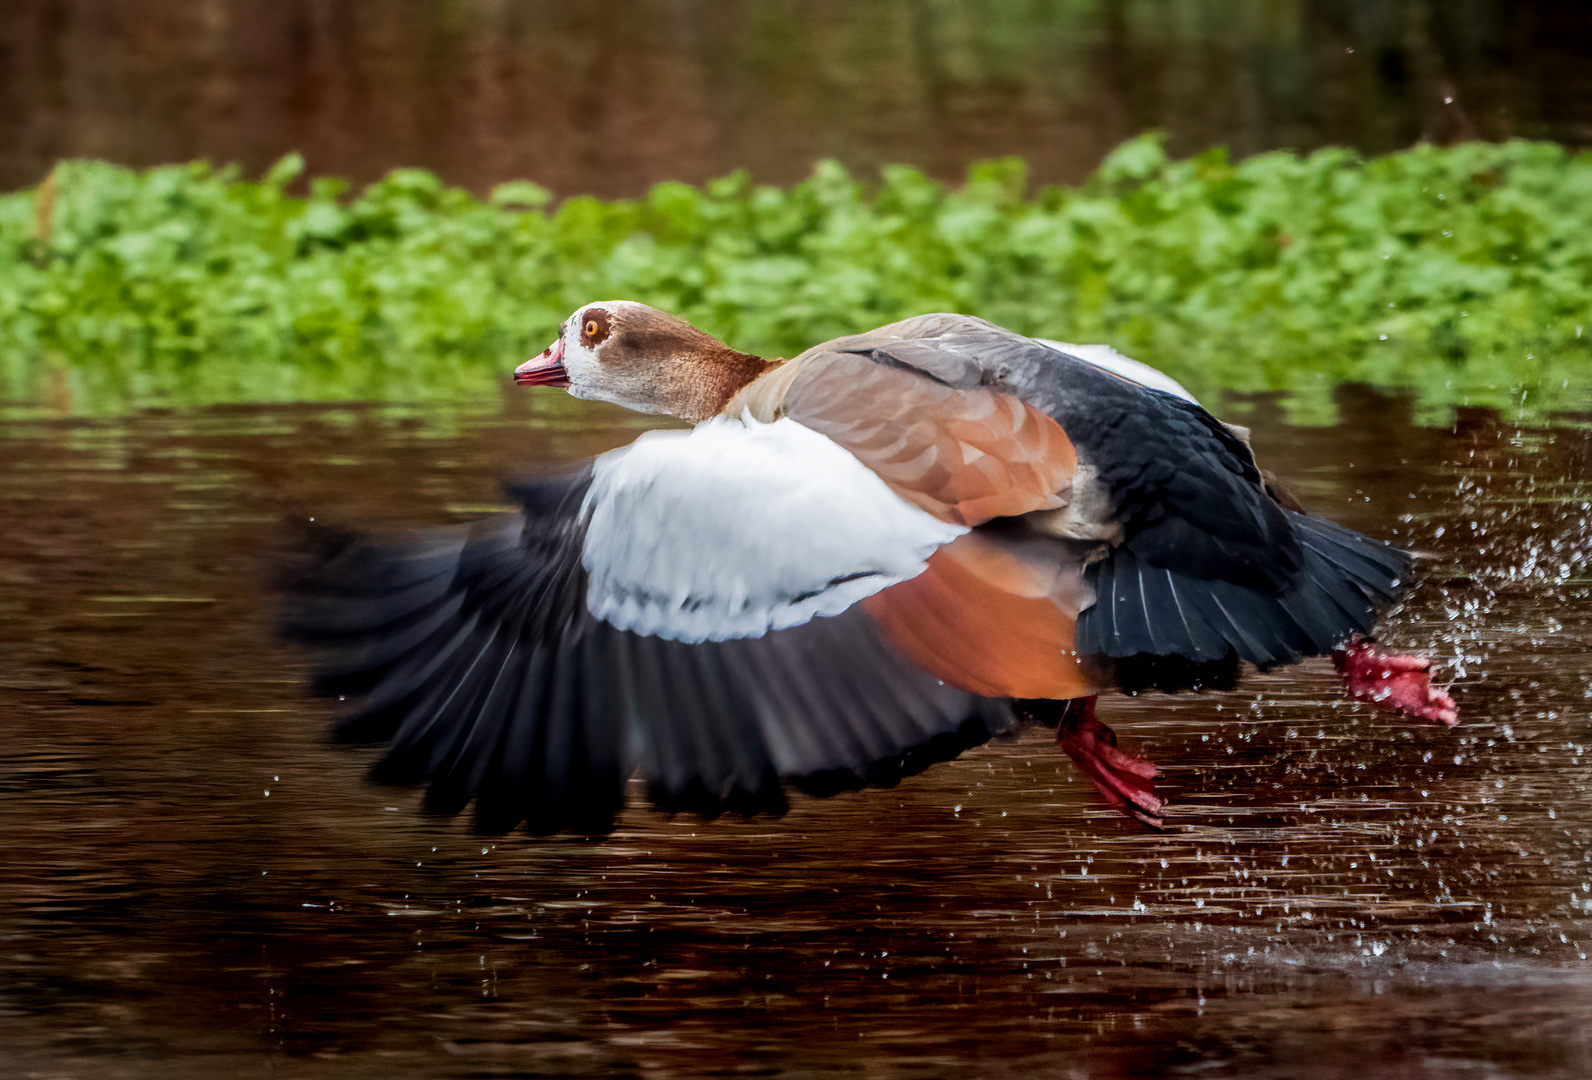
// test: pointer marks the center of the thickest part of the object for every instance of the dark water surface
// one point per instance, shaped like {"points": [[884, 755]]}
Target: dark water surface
{"points": [[196, 885]]}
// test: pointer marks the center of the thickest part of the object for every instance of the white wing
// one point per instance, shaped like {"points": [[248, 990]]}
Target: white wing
{"points": [[1104, 356], [737, 528]]}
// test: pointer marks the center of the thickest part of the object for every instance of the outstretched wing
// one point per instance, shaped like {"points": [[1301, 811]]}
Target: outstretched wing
{"points": [[684, 609]]}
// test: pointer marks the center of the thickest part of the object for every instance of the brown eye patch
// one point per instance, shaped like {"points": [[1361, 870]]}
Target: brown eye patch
{"points": [[593, 326]]}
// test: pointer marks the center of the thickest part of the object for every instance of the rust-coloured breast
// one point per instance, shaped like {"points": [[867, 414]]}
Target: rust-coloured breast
{"points": [[991, 618]]}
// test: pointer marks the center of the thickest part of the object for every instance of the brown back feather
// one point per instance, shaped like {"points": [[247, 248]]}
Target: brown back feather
{"points": [[965, 456]]}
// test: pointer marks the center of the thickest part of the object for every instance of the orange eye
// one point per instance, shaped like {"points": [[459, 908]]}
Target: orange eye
{"points": [[591, 327]]}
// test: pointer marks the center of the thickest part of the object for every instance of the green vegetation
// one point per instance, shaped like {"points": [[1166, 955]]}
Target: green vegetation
{"points": [[1463, 273]]}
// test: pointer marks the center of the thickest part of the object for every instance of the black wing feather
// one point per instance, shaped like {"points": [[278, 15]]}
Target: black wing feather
{"points": [[1345, 583], [472, 653]]}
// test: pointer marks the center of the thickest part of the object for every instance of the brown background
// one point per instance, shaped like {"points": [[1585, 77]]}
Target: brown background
{"points": [[608, 96]]}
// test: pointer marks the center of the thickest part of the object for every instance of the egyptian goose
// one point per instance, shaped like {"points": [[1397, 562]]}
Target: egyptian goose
{"points": [[858, 563]]}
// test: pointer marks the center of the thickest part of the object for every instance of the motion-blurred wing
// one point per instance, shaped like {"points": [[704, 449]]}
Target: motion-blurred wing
{"points": [[685, 609]]}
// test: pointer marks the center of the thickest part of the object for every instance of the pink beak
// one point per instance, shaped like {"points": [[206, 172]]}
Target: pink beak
{"points": [[544, 370]]}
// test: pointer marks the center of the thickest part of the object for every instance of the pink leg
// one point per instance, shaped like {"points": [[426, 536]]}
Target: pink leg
{"points": [[1127, 782], [1394, 681]]}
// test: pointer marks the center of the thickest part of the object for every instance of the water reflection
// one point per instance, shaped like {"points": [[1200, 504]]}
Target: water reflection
{"points": [[198, 886], [608, 96]]}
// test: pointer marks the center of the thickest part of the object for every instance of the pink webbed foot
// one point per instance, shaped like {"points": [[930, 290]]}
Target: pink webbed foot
{"points": [[1394, 681], [1127, 782]]}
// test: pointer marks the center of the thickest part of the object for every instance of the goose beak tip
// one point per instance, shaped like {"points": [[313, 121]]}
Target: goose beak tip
{"points": [[544, 370]]}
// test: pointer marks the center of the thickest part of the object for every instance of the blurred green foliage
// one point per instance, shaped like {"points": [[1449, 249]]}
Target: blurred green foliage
{"points": [[1462, 273]]}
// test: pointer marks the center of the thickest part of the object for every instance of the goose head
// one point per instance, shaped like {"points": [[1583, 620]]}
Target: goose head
{"points": [[642, 358]]}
